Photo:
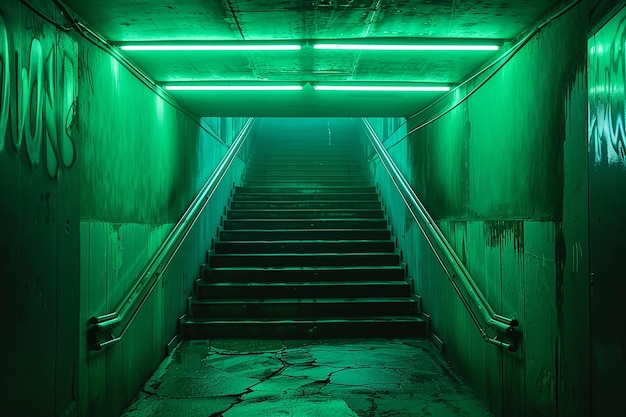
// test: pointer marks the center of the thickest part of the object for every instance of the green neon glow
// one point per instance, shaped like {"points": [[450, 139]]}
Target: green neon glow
{"points": [[381, 88], [233, 87], [232, 47], [370, 47]]}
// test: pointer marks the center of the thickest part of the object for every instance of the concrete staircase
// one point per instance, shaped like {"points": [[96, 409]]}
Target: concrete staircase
{"points": [[304, 251]]}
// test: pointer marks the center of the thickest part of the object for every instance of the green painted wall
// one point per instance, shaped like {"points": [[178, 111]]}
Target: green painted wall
{"points": [[505, 175], [607, 205], [95, 168], [39, 216], [141, 163]]}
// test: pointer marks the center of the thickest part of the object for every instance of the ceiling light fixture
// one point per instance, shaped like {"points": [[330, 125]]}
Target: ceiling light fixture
{"points": [[400, 47], [211, 47], [233, 87], [398, 88]]}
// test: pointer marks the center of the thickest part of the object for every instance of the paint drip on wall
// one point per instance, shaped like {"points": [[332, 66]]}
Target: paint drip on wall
{"points": [[499, 232]]}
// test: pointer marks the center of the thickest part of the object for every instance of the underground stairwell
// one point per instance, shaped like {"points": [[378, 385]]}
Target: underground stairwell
{"points": [[304, 251]]}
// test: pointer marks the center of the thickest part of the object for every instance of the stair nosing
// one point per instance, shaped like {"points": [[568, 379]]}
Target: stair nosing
{"points": [[309, 241], [305, 268], [306, 300], [395, 252], [304, 284], [309, 220], [360, 319]]}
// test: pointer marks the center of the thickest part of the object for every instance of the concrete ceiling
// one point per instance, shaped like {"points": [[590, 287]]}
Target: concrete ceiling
{"points": [[304, 22]]}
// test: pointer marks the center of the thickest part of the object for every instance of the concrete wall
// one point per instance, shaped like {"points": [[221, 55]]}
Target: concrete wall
{"points": [[39, 216], [141, 163], [505, 175], [95, 170], [607, 206]]}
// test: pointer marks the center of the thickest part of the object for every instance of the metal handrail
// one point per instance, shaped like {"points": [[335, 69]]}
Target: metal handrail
{"points": [[150, 276], [475, 302]]}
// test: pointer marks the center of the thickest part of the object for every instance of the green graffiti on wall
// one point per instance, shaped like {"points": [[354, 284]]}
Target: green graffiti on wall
{"points": [[607, 94], [38, 96]]}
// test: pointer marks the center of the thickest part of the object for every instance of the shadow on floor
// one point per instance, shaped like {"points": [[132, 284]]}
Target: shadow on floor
{"points": [[306, 378]]}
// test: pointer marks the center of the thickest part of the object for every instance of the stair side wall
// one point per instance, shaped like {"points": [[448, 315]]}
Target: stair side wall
{"points": [[504, 174], [140, 167], [96, 168], [39, 216]]}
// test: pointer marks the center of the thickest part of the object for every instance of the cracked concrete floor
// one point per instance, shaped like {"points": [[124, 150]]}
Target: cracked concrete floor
{"points": [[231, 378]]}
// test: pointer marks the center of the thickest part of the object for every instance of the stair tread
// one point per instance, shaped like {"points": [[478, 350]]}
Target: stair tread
{"points": [[336, 300], [270, 255], [303, 284], [323, 284], [307, 268], [303, 210], [295, 235], [291, 242], [322, 219], [310, 224], [327, 189], [299, 189], [360, 319], [315, 201], [305, 230], [322, 214], [318, 196], [306, 204]]}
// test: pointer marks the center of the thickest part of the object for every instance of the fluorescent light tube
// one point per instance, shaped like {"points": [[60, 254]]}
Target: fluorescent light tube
{"points": [[381, 88], [233, 87], [370, 47], [231, 47]]}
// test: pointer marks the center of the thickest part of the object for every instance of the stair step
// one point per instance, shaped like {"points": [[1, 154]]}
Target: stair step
{"points": [[304, 274], [341, 289], [320, 172], [306, 155], [268, 224], [304, 250], [304, 259], [303, 308], [290, 147], [314, 189], [310, 205], [368, 327], [305, 165], [297, 165], [306, 182], [305, 214], [309, 157], [304, 246], [313, 148], [306, 173], [306, 234], [249, 196]]}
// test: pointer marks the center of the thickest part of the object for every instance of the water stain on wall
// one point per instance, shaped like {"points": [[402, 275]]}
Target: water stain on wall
{"points": [[500, 231]]}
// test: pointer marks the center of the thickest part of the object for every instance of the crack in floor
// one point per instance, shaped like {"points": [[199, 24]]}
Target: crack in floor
{"points": [[249, 389], [322, 378]]}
